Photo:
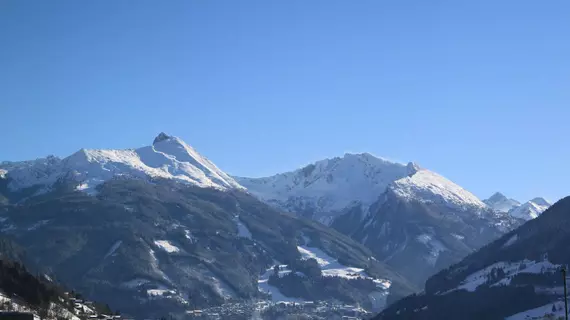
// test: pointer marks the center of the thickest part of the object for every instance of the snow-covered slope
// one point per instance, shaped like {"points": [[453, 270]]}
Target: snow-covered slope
{"points": [[528, 210], [501, 203], [168, 157], [423, 223], [427, 186], [531, 209], [328, 186]]}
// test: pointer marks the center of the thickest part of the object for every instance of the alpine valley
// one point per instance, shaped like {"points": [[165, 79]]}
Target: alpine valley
{"points": [[161, 230]]}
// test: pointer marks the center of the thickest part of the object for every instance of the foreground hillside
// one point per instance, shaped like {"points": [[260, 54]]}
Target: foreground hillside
{"points": [[21, 291], [515, 277]]}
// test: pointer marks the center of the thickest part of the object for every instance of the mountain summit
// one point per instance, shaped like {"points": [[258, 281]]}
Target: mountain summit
{"points": [[168, 157], [501, 203], [325, 188], [526, 211], [414, 219]]}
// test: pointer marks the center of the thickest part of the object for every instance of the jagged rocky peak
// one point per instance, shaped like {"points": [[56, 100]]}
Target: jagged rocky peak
{"points": [[499, 202], [497, 196], [541, 201], [161, 137], [413, 168]]}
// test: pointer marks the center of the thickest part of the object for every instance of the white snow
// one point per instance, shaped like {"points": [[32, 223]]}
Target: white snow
{"points": [[276, 295], [427, 186], [458, 236], [473, 281], [161, 291], [243, 231], [113, 248], [322, 258], [330, 185], [169, 158], [330, 267], [82, 186], [189, 236], [500, 203], [166, 246], [529, 210], [540, 312]]}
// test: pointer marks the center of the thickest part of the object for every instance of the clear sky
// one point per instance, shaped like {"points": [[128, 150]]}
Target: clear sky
{"points": [[478, 91]]}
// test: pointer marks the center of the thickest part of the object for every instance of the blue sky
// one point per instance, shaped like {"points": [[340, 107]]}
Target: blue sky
{"points": [[475, 90]]}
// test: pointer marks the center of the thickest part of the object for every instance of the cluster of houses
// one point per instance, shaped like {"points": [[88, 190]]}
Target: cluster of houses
{"points": [[271, 310]]}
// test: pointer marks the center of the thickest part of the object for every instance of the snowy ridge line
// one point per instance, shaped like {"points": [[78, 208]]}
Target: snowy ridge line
{"points": [[328, 185], [169, 158], [428, 186]]}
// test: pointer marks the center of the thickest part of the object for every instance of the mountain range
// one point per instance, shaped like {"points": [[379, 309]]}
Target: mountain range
{"points": [[515, 277], [526, 211], [407, 215], [161, 229]]}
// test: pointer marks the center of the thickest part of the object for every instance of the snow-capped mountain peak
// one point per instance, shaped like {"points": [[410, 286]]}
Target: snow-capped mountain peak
{"points": [[168, 157], [528, 210], [329, 185], [531, 209], [541, 201], [428, 186], [501, 203]]}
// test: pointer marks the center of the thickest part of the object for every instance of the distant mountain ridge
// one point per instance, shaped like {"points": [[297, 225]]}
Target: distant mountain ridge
{"points": [[325, 188], [500, 202], [161, 225], [526, 211], [167, 158], [515, 277]]}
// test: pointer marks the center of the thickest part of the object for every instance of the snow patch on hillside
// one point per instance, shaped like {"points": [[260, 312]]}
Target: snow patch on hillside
{"points": [[330, 267], [160, 291], [510, 269], [189, 236], [166, 246], [276, 295]]}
